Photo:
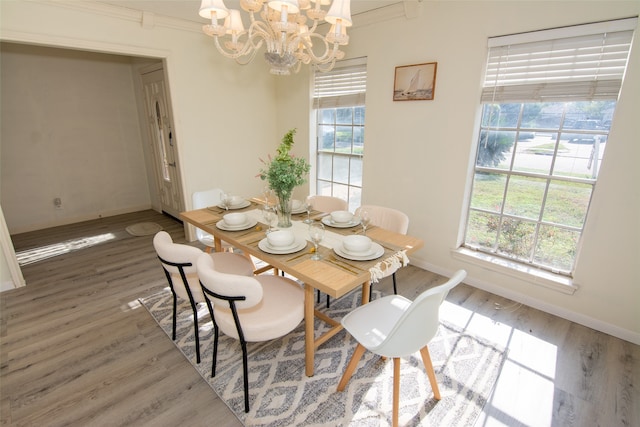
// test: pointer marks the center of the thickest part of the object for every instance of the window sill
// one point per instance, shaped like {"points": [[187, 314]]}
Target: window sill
{"points": [[520, 271]]}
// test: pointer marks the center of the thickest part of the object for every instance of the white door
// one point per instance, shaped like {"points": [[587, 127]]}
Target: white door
{"points": [[163, 143]]}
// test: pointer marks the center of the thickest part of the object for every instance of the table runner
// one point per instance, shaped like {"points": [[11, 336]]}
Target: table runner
{"points": [[391, 260]]}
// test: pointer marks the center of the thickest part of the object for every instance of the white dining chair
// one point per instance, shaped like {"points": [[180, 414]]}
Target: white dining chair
{"points": [[249, 309], [179, 264], [389, 219], [203, 199], [395, 327]]}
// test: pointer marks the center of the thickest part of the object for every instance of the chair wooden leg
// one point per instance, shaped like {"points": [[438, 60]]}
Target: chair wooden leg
{"points": [[396, 390], [208, 249], [351, 366], [426, 359]]}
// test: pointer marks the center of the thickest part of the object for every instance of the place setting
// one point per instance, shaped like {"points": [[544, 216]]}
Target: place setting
{"points": [[341, 219], [231, 202], [359, 248], [281, 242], [236, 221]]}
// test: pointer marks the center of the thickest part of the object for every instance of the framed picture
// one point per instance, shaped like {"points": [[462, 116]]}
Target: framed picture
{"points": [[415, 82]]}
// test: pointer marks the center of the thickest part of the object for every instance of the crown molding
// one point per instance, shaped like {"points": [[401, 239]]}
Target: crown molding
{"points": [[147, 20]]}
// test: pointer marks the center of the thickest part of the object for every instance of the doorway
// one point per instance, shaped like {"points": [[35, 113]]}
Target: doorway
{"points": [[163, 141]]}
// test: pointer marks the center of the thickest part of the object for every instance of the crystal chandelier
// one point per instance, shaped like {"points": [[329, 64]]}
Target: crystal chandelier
{"points": [[284, 30]]}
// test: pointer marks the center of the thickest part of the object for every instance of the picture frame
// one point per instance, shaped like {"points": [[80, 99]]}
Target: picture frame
{"points": [[415, 82]]}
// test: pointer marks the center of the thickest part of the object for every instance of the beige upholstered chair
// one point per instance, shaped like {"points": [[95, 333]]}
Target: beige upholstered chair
{"points": [[179, 264], [249, 309], [327, 203], [389, 219], [395, 327]]}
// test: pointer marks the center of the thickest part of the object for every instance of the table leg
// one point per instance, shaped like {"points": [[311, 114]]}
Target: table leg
{"points": [[309, 333], [218, 244], [366, 292]]}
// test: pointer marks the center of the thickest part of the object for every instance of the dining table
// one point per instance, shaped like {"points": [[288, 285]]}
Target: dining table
{"points": [[335, 274]]}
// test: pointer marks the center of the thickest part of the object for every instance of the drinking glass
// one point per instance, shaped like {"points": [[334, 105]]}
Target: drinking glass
{"points": [[224, 200], [268, 195], [365, 220], [268, 213], [308, 206], [316, 233]]}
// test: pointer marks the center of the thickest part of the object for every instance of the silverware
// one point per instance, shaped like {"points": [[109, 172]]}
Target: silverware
{"points": [[299, 255], [342, 267], [337, 264], [252, 230], [253, 242], [347, 263]]}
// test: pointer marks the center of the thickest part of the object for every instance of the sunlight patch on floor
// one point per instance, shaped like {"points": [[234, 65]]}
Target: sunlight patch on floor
{"points": [[29, 256], [526, 386]]}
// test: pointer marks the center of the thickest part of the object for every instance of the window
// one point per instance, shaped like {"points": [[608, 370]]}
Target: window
{"points": [[338, 100], [548, 101]]}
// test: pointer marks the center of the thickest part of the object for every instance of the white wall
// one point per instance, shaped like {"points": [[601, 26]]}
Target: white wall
{"points": [[70, 130]]}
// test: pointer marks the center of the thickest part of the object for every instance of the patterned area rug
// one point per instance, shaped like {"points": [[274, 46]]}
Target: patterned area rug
{"points": [[281, 394], [143, 229]]}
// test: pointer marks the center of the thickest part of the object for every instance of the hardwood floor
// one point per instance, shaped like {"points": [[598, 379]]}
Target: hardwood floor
{"points": [[77, 349]]}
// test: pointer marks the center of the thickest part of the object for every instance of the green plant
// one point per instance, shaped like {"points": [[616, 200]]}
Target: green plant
{"points": [[493, 147], [285, 171]]}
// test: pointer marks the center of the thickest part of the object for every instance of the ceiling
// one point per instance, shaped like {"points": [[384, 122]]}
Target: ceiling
{"points": [[188, 9]]}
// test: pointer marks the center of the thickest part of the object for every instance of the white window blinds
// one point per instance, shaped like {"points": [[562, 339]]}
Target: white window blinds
{"points": [[344, 86], [584, 62]]}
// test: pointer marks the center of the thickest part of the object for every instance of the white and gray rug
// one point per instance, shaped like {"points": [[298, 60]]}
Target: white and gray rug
{"points": [[281, 394]]}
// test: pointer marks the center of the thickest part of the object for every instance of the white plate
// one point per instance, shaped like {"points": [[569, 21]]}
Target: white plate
{"points": [[238, 206], [299, 211], [376, 251], [331, 223], [297, 246], [223, 225]]}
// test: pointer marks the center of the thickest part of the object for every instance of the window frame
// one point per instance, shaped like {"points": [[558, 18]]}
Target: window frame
{"points": [[501, 93], [342, 88]]}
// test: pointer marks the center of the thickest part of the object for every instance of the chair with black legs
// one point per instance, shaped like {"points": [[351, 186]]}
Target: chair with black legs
{"points": [[179, 265], [249, 309]]}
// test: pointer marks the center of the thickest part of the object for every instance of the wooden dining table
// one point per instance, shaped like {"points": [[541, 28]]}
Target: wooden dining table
{"points": [[333, 275]]}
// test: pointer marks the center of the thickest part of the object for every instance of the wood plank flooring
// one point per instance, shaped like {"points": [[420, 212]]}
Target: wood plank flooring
{"points": [[76, 348]]}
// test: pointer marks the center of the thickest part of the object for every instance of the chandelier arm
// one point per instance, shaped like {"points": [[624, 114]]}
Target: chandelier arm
{"points": [[244, 60], [231, 54], [259, 30], [314, 26], [328, 66], [329, 53]]}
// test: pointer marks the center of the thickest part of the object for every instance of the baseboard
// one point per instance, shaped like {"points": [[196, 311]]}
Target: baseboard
{"points": [[79, 218], [7, 286], [590, 322]]}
